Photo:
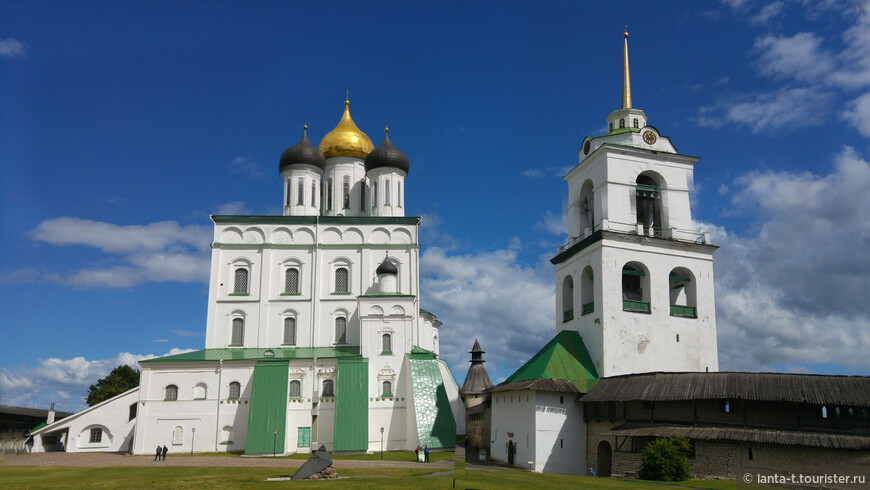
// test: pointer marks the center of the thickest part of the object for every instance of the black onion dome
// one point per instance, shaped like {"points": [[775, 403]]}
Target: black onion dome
{"points": [[387, 155], [302, 153], [387, 267]]}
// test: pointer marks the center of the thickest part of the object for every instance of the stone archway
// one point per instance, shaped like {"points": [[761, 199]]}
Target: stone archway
{"points": [[605, 455]]}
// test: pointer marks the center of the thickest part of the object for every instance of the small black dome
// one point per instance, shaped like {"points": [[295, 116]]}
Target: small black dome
{"points": [[387, 155], [302, 153], [387, 267]]}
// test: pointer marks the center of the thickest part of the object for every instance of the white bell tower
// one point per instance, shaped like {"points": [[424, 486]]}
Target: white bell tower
{"points": [[635, 279]]}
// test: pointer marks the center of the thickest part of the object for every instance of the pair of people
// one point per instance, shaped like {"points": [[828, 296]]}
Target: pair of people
{"points": [[161, 451], [425, 450]]}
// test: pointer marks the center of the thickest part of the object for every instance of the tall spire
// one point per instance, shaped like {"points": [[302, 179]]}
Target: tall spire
{"points": [[626, 84]]}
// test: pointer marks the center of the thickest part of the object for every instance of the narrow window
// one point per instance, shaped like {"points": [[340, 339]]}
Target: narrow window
{"points": [[238, 332], [561, 444], [341, 280], [329, 195], [240, 285], [386, 343], [235, 389], [635, 123], [313, 193], [362, 195], [621, 123], [562, 400], [287, 194], [295, 389], [328, 388], [290, 330], [132, 412], [387, 192], [388, 388], [399, 189], [824, 412], [96, 435], [375, 194], [300, 191], [171, 393], [611, 127], [341, 330], [567, 299], [346, 193], [291, 280], [177, 435], [750, 454]]}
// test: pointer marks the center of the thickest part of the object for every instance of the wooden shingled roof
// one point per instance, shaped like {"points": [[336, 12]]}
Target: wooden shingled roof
{"points": [[800, 388]]}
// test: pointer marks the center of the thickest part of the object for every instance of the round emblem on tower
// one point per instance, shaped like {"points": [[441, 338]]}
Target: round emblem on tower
{"points": [[649, 137], [586, 147]]}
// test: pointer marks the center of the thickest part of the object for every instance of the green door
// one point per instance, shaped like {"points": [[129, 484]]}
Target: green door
{"points": [[304, 439]]}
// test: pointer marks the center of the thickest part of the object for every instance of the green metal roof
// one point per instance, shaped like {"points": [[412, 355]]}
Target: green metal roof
{"points": [[351, 432], [268, 410], [418, 352], [310, 220], [564, 357], [259, 354]]}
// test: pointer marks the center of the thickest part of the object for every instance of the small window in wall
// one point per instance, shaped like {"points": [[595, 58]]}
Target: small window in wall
{"points": [[328, 387], [287, 194], [295, 388], [177, 435], [291, 281], [635, 123], [824, 412], [227, 434], [621, 123], [170, 393], [238, 333], [341, 330], [300, 192], [750, 454], [388, 388], [96, 435], [362, 195], [329, 195], [387, 192], [200, 391], [341, 280], [345, 189], [240, 284], [235, 390], [386, 343], [313, 193], [290, 331], [132, 412], [375, 194]]}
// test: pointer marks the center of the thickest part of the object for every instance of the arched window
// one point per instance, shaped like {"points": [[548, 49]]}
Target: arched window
{"points": [[341, 280], [313, 192], [648, 204], [387, 192], [96, 435], [329, 195], [375, 194], [238, 333], [621, 123], [291, 281], [345, 190], [362, 195], [328, 387], [177, 435], [635, 288], [386, 343], [227, 434], [341, 330], [567, 298], [240, 285], [200, 391], [635, 123], [290, 330], [170, 393], [295, 388], [388, 388], [300, 192], [587, 291], [681, 287], [235, 389], [287, 194]]}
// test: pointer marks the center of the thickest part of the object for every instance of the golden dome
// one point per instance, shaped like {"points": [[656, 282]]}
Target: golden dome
{"points": [[346, 140]]}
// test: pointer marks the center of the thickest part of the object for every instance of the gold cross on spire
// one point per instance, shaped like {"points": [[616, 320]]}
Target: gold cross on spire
{"points": [[626, 84]]}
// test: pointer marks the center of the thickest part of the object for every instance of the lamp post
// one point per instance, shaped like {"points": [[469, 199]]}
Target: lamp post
{"points": [[382, 443], [274, 442], [192, 439]]}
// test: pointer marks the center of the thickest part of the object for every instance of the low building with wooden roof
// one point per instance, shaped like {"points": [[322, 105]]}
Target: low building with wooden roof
{"points": [[738, 423]]}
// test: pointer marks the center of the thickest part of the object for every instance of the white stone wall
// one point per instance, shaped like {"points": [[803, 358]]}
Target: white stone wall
{"points": [[513, 412], [337, 168], [560, 434], [390, 198], [310, 177]]}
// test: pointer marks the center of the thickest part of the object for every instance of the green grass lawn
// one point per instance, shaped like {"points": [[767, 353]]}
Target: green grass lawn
{"points": [[246, 477]]}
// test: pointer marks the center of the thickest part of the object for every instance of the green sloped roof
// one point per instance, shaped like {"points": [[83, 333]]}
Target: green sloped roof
{"points": [[260, 354], [418, 352], [564, 357]]}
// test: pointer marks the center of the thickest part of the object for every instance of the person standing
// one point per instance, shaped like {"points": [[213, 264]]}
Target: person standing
{"points": [[426, 452], [417, 454], [157, 455], [591, 471], [165, 450]]}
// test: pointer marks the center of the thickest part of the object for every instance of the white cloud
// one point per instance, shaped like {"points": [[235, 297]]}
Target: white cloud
{"points": [[490, 296], [65, 381], [534, 173], [234, 208], [858, 114], [159, 252], [800, 57], [788, 107], [244, 166], [24, 274], [768, 12], [553, 223], [795, 292], [188, 333], [12, 48]]}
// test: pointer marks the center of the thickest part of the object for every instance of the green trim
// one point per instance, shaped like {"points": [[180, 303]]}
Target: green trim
{"points": [[291, 294], [386, 352], [342, 293], [636, 306], [310, 220], [645, 187], [564, 357], [426, 312], [239, 294], [632, 272], [321, 245], [567, 316], [573, 249], [387, 295], [680, 278], [684, 311], [621, 131], [256, 354], [588, 308], [418, 352]]}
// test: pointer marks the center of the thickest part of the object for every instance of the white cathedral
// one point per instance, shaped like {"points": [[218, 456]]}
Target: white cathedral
{"points": [[315, 334]]}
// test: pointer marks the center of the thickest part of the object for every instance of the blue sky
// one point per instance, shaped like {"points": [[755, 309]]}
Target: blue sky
{"points": [[123, 126]]}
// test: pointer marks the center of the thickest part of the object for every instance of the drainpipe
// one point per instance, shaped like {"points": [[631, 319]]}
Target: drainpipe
{"points": [[217, 423]]}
